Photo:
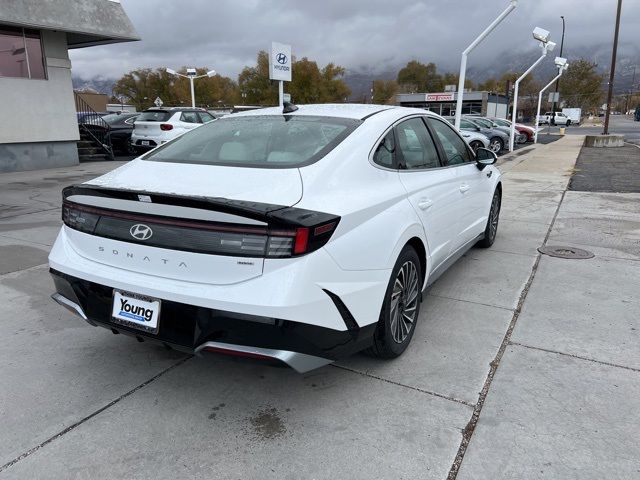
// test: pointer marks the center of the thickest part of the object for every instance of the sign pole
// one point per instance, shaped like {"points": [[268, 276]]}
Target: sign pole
{"points": [[280, 93], [535, 140]]}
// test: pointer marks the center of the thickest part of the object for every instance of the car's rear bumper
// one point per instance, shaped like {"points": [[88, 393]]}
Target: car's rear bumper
{"points": [[194, 329]]}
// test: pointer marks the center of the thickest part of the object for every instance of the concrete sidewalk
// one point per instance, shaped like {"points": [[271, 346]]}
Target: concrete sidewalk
{"points": [[565, 398], [521, 366]]}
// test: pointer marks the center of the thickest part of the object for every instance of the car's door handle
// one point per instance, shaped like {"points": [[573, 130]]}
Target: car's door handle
{"points": [[464, 187], [425, 203]]}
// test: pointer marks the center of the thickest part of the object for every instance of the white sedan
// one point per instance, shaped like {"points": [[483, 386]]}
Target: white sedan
{"points": [[299, 235]]}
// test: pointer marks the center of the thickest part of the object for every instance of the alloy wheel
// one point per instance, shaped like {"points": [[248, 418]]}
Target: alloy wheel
{"points": [[404, 301], [496, 145], [494, 216]]}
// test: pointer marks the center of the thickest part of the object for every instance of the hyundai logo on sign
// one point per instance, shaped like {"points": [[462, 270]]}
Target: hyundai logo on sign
{"points": [[141, 232], [280, 62]]}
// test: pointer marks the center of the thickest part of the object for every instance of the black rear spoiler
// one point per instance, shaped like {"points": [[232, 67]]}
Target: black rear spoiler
{"points": [[275, 215]]}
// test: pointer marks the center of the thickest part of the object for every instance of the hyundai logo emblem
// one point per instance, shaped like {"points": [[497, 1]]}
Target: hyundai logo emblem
{"points": [[141, 232], [281, 58]]}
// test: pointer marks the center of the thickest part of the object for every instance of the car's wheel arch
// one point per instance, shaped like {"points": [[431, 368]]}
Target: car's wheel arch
{"points": [[414, 237]]}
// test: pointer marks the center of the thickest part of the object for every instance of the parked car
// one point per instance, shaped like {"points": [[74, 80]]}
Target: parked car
{"points": [[558, 119], [475, 140], [120, 129], [528, 132], [488, 123], [156, 126], [301, 235], [85, 117], [497, 139], [636, 116]]}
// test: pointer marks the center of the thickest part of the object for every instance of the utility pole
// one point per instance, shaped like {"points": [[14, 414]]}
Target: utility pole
{"points": [[612, 74], [553, 108]]}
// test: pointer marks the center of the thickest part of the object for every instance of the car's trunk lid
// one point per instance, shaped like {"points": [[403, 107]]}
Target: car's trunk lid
{"points": [[198, 223]]}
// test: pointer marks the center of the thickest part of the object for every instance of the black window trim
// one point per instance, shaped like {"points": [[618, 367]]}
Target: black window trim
{"points": [[439, 148]]}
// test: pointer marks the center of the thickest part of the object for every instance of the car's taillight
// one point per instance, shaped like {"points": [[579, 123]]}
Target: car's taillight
{"points": [[79, 219], [205, 237], [166, 126], [300, 241]]}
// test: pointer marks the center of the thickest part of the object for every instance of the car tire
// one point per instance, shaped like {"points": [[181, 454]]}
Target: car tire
{"points": [[130, 149], [491, 230], [568, 123], [496, 144], [401, 307], [476, 144], [521, 138]]}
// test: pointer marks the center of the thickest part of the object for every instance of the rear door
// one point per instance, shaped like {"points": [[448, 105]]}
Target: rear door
{"points": [[472, 185], [430, 188], [189, 120]]}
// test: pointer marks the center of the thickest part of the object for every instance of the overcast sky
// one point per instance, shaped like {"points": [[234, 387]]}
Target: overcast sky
{"points": [[357, 34]]}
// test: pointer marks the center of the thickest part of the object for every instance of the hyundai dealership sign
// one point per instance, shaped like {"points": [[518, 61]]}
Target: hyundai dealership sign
{"points": [[280, 62]]}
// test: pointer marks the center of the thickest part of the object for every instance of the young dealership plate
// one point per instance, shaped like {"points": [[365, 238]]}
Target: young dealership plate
{"points": [[136, 311]]}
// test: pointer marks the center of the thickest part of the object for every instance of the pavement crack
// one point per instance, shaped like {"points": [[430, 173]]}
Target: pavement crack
{"points": [[91, 415], [469, 301], [467, 433], [421, 390], [577, 357]]}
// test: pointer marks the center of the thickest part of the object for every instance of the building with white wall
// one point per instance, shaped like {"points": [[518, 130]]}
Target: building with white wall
{"points": [[483, 103], [39, 127]]}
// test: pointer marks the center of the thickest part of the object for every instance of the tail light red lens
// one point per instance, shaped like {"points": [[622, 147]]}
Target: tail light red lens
{"points": [[302, 241], [166, 126]]}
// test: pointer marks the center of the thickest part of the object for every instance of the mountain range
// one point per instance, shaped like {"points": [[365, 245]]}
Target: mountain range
{"points": [[360, 79]]}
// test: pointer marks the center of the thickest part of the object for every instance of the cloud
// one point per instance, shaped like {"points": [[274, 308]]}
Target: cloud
{"points": [[371, 35]]}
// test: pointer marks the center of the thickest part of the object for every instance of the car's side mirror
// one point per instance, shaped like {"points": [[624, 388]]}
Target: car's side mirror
{"points": [[485, 157]]}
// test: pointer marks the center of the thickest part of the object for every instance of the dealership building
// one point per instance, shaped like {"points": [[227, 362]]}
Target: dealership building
{"points": [[487, 104], [40, 127]]}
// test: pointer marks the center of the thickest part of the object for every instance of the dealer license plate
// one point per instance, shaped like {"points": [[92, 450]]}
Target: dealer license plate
{"points": [[136, 311], [145, 143]]}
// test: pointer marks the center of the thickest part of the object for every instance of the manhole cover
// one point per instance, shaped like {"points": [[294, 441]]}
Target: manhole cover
{"points": [[562, 251]]}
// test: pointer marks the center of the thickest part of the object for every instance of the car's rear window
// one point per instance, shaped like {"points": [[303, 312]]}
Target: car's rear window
{"points": [[154, 116], [272, 141]]}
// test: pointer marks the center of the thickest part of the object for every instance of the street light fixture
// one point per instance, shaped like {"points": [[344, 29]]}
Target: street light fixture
{"points": [[463, 62], [191, 75], [562, 65], [543, 36]]}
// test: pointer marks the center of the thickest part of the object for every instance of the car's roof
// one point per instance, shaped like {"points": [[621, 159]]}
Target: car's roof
{"points": [[175, 109], [340, 110]]}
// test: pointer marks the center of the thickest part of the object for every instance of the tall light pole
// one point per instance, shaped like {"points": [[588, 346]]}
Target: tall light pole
{"points": [[191, 75], [463, 62], [543, 36], [612, 74], [553, 107], [562, 65]]}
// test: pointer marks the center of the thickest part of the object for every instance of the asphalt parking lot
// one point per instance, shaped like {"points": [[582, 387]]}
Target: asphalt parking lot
{"points": [[522, 365]]}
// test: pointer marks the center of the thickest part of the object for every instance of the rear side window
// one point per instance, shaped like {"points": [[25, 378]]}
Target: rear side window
{"points": [[154, 116], [273, 141], [206, 117], [416, 149], [385, 151], [455, 148], [189, 117]]}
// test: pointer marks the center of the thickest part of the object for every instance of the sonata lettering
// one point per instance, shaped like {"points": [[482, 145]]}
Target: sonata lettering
{"points": [[146, 258]]}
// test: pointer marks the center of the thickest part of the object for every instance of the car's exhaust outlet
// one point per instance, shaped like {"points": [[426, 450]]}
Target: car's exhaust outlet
{"points": [[300, 362]]}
